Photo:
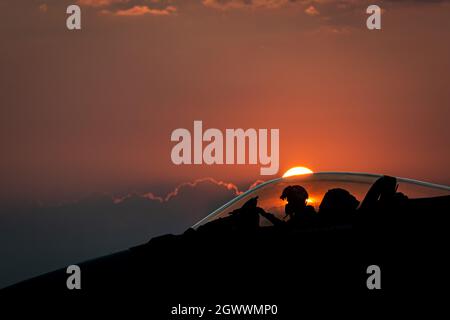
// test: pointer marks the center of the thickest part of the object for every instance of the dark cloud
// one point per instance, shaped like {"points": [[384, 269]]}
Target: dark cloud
{"points": [[241, 4], [273, 4], [326, 12]]}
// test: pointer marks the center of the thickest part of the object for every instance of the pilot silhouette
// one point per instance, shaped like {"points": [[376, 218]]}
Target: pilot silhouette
{"points": [[299, 213], [383, 193], [338, 206]]}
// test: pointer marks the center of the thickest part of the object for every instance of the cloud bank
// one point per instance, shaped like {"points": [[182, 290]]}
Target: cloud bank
{"points": [[37, 240], [130, 8]]}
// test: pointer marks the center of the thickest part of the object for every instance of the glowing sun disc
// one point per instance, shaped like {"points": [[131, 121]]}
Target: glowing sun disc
{"points": [[296, 171]]}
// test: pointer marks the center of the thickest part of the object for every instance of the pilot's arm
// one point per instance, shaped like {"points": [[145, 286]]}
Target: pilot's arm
{"points": [[274, 220], [384, 187]]}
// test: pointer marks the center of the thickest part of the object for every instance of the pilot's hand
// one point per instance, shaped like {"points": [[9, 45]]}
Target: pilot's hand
{"points": [[386, 184]]}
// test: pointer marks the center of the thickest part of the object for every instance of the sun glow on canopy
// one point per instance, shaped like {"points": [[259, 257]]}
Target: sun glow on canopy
{"points": [[296, 171]]}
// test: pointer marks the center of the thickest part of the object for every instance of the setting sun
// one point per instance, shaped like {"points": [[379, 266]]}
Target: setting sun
{"points": [[295, 171]]}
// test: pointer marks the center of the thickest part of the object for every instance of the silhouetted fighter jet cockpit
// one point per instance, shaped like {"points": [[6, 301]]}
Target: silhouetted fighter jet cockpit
{"points": [[326, 197]]}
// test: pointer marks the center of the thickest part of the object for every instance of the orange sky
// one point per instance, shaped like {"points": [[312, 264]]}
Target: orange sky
{"points": [[93, 110]]}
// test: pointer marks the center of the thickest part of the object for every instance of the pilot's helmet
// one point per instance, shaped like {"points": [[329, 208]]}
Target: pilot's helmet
{"points": [[294, 193]]}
